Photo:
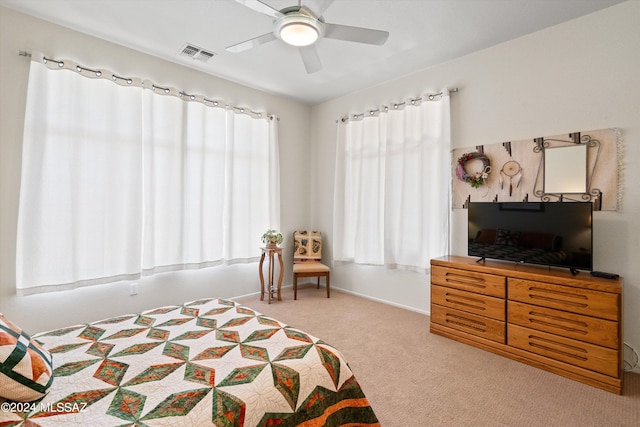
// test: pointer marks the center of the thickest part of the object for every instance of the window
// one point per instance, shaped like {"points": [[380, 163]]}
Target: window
{"points": [[391, 202], [118, 181]]}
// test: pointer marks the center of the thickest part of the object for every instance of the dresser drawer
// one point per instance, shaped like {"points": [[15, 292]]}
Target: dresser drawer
{"points": [[576, 300], [577, 353], [482, 305], [584, 328], [471, 281], [481, 326]]}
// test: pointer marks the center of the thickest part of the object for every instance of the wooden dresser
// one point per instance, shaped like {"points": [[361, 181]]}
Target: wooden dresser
{"points": [[547, 318]]}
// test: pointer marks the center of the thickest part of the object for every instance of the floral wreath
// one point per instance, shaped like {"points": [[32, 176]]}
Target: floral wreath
{"points": [[480, 177]]}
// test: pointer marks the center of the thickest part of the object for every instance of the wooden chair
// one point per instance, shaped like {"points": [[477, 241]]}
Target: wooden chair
{"points": [[307, 254]]}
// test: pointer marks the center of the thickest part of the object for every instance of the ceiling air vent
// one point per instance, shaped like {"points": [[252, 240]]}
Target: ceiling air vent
{"points": [[197, 53]]}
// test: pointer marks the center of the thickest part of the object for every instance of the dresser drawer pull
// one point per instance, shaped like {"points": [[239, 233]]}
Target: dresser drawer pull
{"points": [[538, 318], [466, 280], [567, 353], [465, 301], [468, 323], [543, 297]]}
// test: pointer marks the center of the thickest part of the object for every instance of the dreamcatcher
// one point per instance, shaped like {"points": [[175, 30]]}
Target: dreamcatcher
{"points": [[513, 171]]}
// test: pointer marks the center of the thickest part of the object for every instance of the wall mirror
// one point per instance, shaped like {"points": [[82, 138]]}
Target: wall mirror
{"points": [[565, 169]]}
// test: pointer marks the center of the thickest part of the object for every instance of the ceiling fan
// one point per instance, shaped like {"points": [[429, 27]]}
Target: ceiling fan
{"points": [[303, 26]]}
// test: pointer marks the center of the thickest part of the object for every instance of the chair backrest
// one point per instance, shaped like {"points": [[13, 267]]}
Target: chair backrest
{"points": [[307, 246]]}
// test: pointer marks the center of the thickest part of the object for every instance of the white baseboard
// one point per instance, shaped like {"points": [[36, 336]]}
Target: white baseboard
{"points": [[245, 295], [383, 301], [346, 291]]}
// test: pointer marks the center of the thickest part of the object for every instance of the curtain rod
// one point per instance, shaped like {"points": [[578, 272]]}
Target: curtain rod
{"points": [[396, 105], [139, 82]]}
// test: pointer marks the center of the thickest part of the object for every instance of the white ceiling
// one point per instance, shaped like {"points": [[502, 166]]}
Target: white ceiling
{"points": [[422, 33]]}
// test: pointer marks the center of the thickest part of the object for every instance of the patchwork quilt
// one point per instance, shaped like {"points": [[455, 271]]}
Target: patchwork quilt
{"points": [[206, 362]]}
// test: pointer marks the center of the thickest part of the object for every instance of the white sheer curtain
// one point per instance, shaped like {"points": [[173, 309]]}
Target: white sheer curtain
{"points": [[119, 181], [391, 196], [207, 182], [80, 214]]}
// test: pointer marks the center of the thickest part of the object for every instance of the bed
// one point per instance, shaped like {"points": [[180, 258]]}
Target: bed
{"points": [[206, 362]]}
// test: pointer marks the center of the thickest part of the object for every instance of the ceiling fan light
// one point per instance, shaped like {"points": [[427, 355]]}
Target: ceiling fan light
{"points": [[299, 34], [297, 29]]}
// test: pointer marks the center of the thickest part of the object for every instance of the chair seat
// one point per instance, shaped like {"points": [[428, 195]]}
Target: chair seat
{"points": [[310, 267]]}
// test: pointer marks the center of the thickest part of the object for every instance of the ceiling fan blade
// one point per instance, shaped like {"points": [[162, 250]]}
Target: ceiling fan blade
{"points": [[251, 43], [310, 58], [317, 6], [258, 6], [355, 34]]}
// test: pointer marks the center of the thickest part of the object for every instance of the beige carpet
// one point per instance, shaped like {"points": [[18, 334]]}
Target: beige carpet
{"points": [[413, 378]]}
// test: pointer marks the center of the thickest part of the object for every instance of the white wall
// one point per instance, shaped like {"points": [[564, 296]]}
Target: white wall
{"points": [[578, 76], [46, 311]]}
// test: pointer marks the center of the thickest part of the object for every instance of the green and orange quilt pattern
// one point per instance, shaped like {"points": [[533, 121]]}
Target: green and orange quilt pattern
{"points": [[208, 362]]}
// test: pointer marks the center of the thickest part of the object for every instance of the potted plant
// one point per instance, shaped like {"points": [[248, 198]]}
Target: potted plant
{"points": [[272, 238]]}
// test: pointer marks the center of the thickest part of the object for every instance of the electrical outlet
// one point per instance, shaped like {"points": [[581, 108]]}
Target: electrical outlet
{"points": [[133, 288]]}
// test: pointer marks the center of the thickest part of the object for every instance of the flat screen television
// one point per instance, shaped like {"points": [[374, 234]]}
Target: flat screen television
{"points": [[546, 233]]}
